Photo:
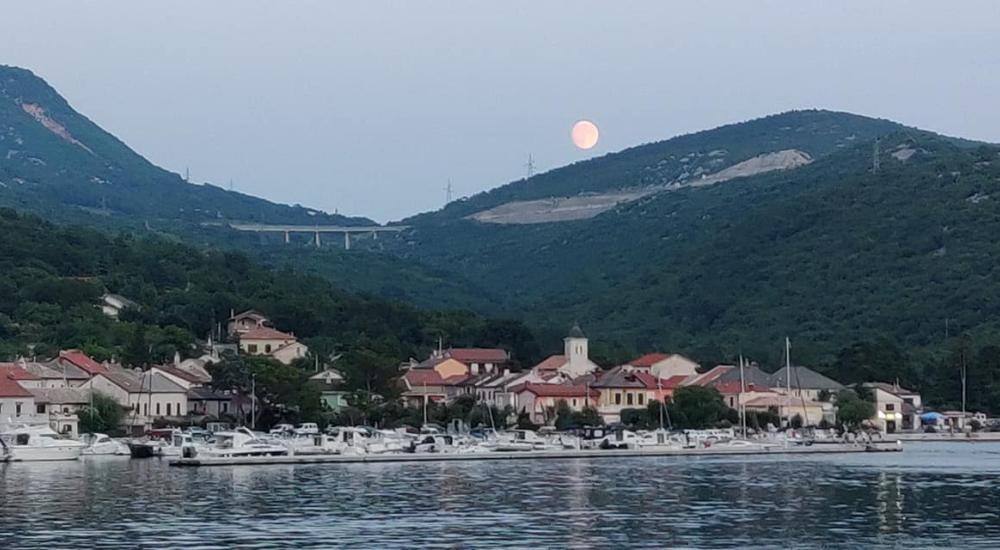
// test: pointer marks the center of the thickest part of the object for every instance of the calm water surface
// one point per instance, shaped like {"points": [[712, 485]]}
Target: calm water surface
{"points": [[943, 495]]}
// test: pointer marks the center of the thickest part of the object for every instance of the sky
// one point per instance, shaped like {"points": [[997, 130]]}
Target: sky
{"points": [[371, 107]]}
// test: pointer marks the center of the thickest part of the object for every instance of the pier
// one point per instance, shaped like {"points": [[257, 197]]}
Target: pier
{"points": [[832, 448]]}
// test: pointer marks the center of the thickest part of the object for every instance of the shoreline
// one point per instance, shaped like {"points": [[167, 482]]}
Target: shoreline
{"points": [[534, 455]]}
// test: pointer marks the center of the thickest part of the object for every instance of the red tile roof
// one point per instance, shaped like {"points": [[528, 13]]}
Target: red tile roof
{"points": [[430, 377], [707, 378], [265, 333], [556, 390], [673, 382], [478, 355], [553, 362], [648, 360], [16, 372], [81, 360], [733, 386], [10, 388]]}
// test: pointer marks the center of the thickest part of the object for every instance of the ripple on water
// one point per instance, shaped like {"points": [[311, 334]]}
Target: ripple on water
{"points": [[930, 495]]}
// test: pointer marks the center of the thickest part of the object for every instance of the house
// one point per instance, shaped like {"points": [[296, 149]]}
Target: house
{"points": [[16, 403], [332, 393], [278, 345], [423, 385], [574, 362], [896, 408], [240, 323], [180, 377], [624, 387], [805, 382], [729, 381], [81, 361], [60, 407], [25, 378], [494, 389], [665, 365], [540, 400], [146, 395], [56, 374], [480, 360], [204, 401], [112, 305]]}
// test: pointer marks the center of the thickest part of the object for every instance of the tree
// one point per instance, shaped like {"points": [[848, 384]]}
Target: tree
{"points": [[852, 411], [102, 415], [697, 407]]}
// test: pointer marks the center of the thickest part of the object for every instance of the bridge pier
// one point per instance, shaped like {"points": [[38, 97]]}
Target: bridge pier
{"points": [[347, 240], [317, 239]]}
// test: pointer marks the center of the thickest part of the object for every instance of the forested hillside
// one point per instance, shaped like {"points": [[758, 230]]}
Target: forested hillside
{"points": [[827, 253], [53, 277], [56, 162]]}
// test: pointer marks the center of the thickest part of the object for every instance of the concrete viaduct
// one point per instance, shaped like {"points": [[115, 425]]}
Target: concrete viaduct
{"points": [[317, 229]]}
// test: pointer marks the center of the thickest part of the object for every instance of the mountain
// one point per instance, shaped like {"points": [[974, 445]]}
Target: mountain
{"points": [[56, 162], [820, 248]]}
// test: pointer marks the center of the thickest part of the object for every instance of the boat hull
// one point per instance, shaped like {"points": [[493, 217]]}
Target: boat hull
{"points": [[45, 454]]}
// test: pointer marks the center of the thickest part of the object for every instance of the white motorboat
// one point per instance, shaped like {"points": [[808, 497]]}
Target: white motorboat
{"points": [[40, 443], [102, 444], [179, 440], [523, 440], [659, 439], [238, 443]]}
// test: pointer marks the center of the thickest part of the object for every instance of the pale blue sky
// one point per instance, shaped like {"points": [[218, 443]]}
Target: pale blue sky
{"points": [[370, 107]]}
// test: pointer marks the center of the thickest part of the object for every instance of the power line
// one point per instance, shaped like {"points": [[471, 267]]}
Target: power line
{"points": [[530, 165], [448, 190]]}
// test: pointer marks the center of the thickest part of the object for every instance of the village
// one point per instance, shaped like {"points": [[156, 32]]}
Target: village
{"points": [[180, 394]]}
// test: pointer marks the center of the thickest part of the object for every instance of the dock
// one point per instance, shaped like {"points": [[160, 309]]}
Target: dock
{"points": [[828, 448]]}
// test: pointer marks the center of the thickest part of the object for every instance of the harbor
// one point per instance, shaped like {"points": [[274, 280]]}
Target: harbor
{"points": [[720, 450]]}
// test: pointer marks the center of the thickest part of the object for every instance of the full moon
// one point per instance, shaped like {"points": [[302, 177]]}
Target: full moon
{"points": [[585, 134]]}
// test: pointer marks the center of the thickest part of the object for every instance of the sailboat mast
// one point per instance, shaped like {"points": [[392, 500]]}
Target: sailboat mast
{"points": [[788, 379], [742, 408]]}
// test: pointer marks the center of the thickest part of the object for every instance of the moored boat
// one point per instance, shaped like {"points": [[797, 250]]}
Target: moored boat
{"points": [[34, 443]]}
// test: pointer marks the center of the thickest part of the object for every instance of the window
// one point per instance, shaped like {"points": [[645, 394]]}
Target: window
{"points": [[225, 407], [168, 409], [252, 348], [157, 409], [890, 407], [642, 399], [40, 408], [267, 348], [179, 411], [574, 402], [145, 409], [628, 399], [618, 399], [17, 409]]}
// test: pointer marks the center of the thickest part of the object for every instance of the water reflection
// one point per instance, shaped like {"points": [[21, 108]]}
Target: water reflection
{"points": [[930, 495]]}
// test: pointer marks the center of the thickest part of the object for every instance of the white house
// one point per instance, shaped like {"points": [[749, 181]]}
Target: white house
{"points": [[896, 408], [146, 396], [16, 403], [278, 345], [665, 365], [246, 321], [480, 360], [60, 406], [112, 305]]}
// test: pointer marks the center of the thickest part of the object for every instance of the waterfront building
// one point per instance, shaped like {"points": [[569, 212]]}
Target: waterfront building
{"points": [[440, 382], [896, 408], [60, 407], [480, 360], [540, 400], [55, 374], [805, 382], [573, 363], [80, 360], [665, 365], [204, 401], [16, 403], [146, 396], [790, 406]]}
